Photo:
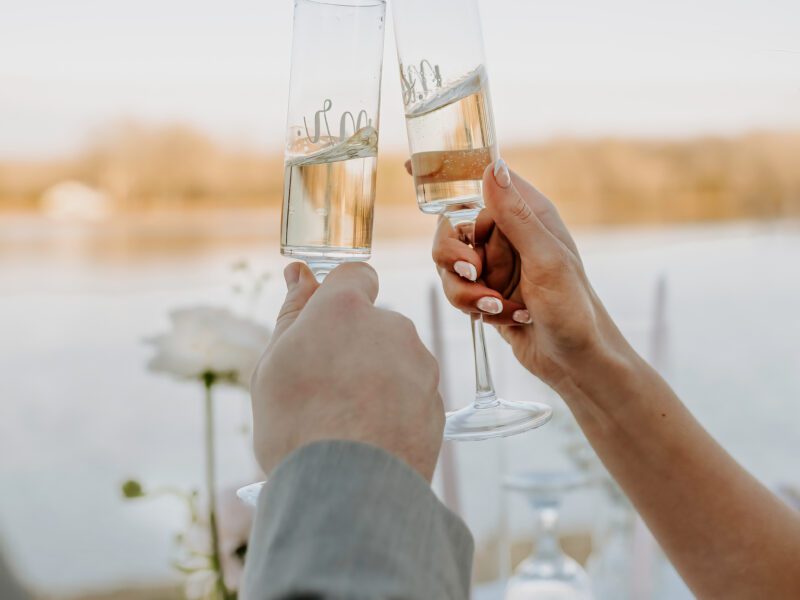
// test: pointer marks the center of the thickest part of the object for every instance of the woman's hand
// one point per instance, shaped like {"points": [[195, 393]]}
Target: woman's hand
{"points": [[727, 535], [526, 276]]}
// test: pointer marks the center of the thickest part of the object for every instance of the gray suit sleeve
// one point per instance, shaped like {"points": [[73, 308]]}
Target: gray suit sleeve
{"points": [[9, 586], [341, 519]]}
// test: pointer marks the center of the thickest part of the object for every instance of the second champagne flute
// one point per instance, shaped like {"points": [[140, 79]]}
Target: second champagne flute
{"points": [[451, 137]]}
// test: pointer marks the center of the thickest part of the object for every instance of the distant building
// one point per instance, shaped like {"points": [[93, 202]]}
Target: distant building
{"points": [[75, 201]]}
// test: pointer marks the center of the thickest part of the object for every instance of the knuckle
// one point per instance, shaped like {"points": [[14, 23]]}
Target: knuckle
{"points": [[460, 299], [357, 267], [409, 337], [406, 327], [400, 327], [366, 270], [521, 211], [347, 300], [553, 263], [444, 253], [288, 311]]}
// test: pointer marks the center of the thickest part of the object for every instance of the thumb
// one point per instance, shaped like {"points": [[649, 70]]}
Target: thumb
{"points": [[301, 285], [515, 217], [355, 282]]}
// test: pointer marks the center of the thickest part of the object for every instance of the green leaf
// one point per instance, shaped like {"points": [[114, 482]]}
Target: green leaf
{"points": [[132, 489], [187, 570]]}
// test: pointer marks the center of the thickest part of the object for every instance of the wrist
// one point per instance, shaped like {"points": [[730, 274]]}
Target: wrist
{"points": [[604, 378]]}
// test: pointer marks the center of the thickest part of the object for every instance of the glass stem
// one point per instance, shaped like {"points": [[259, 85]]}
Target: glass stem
{"points": [[547, 547], [321, 269], [485, 396]]}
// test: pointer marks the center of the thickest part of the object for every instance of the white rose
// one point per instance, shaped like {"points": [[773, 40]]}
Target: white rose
{"points": [[200, 585], [209, 340], [235, 520]]}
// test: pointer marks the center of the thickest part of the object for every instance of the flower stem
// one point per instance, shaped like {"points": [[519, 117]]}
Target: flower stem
{"points": [[211, 488]]}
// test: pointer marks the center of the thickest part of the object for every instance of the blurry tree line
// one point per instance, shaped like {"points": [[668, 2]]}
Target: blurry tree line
{"points": [[755, 176], [599, 181]]}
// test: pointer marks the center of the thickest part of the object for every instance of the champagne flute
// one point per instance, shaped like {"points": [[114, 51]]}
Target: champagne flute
{"points": [[452, 140], [332, 132], [331, 154], [548, 572]]}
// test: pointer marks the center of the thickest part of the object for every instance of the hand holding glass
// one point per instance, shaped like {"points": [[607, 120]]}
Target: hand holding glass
{"points": [[332, 137], [452, 140]]}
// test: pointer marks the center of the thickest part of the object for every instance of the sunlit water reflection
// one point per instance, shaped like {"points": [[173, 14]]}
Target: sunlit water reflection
{"points": [[80, 413]]}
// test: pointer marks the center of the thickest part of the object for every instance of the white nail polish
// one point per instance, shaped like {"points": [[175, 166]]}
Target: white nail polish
{"points": [[465, 270], [490, 305], [501, 174], [522, 316]]}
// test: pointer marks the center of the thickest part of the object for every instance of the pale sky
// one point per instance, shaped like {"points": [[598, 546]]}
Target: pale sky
{"points": [[562, 67]]}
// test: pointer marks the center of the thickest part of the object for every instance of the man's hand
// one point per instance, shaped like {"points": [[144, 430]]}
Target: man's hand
{"points": [[337, 367]]}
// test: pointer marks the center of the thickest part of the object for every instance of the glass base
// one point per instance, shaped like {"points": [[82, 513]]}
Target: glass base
{"points": [[500, 418], [561, 579], [249, 493]]}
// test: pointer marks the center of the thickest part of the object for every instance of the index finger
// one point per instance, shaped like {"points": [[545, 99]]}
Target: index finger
{"points": [[452, 254]]}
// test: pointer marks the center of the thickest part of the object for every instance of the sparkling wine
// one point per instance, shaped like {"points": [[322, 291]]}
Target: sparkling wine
{"points": [[452, 140], [328, 199]]}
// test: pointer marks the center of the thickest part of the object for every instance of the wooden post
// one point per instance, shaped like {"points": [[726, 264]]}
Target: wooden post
{"points": [[448, 467]]}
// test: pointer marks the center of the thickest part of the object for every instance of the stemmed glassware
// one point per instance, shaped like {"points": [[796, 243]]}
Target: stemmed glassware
{"points": [[332, 132], [331, 151], [548, 573], [451, 137]]}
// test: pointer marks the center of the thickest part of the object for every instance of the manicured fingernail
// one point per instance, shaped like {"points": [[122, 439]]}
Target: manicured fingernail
{"points": [[466, 270], [501, 174], [490, 305], [292, 275], [522, 316]]}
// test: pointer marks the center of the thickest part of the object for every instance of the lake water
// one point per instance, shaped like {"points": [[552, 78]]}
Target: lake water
{"points": [[80, 413]]}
